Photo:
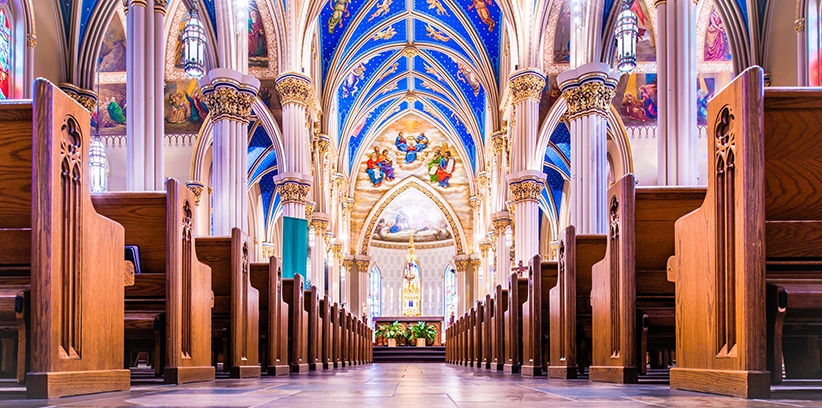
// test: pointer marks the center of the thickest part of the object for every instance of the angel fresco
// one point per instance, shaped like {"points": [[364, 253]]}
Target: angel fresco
{"points": [[445, 168], [257, 46], [352, 80], [340, 8], [465, 74], [482, 11]]}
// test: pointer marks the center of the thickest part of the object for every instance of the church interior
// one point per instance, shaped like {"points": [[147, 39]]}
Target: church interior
{"points": [[414, 202]]}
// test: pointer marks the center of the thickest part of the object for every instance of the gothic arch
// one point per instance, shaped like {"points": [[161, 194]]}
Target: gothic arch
{"points": [[451, 217]]}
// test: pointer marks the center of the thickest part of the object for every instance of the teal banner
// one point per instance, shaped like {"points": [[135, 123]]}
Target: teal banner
{"points": [[295, 247]]}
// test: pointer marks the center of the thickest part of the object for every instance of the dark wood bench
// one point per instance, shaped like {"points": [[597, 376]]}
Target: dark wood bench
{"points": [[312, 307], [169, 305], [273, 317], [488, 314], [337, 314], [294, 296], [478, 313], [570, 303], [61, 260], [631, 300], [542, 277], [327, 330], [517, 295], [236, 314], [761, 222], [498, 328]]}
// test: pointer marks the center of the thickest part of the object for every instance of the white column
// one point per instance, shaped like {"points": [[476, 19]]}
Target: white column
{"points": [[484, 247], [588, 91], [229, 95], [525, 182], [676, 61], [501, 221], [334, 272], [463, 296], [156, 101], [802, 78], [295, 95], [319, 221]]}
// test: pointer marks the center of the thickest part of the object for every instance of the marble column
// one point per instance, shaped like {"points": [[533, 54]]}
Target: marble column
{"points": [[144, 95], [588, 91], [319, 222], [345, 293], [526, 188], [802, 65], [501, 221], [359, 285], [463, 292], [334, 272], [676, 62], [229, 96], [296, 94], [484, 248]]}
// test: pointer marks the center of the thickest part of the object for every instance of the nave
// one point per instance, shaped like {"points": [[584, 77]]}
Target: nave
{"points": [[429, 385]]}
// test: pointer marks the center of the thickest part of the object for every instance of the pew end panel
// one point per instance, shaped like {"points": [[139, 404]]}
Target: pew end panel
{"points": [[719, 261], [278, 359], [517, 295], [532, 322], [77, 337], [293, 294]]}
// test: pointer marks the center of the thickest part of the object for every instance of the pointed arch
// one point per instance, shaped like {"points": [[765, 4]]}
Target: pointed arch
{"points": [[429, 191]]}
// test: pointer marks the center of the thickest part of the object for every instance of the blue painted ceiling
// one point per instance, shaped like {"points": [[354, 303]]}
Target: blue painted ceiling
{"points": [[262, 167], [556, 166], [440, 58]]}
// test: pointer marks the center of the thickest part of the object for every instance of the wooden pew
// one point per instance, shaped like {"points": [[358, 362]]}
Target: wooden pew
{"points": [[236, 312], [173, 291], [517, 294], [498, 329], [293, 295], [463, 342], [630, 293], [273, 316], [541, 277], [570, 301], [62, 273], [337, 335], [488, 313], [761, 220], [479, 312], [327, 346], [470, 337], [312, 307]]}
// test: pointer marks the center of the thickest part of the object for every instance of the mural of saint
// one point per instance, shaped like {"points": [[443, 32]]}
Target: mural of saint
{"points": [[110, 118], [411, 146], [257, 45], [185, 107], [465, 74], [445, 168], [350, 85], [340, 10], [562, 38], [637, 99], [177, 108], [716, 39], [374, 170], [113, 49], [411, 212]]}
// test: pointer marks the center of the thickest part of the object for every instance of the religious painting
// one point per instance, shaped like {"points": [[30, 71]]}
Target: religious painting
{"points": [[636, 99], [268, 94], [112, 56], [412, 212], [562, 37], [467, 75], [340, 8], [257, 44], [351, 83], [411, 296], [179, 57], [482, 7], [706, 86], [717, 47], [110, 117], [550, 95], [185, 108], [646, 39]]}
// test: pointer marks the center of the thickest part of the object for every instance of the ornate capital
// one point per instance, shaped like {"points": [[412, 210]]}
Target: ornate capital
{"points": [[474, 203], [160, 6], [337, 181], [498, 142], [500, 221], [527, 84], [295, 88], [484, 246], [527, 188], [320, 223], [268, 249], [482, 179], [31, 40], [309, 209], [362, 264], [323, 144], [348, 205], [589, 98], [348, 264], [799, 25], [84, 97], [461, 264], [293, 191], [336, 250], [196, 187], [229, 103]]}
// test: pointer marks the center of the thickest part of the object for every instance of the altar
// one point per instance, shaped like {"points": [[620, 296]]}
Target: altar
{"points": [[436, 321]]}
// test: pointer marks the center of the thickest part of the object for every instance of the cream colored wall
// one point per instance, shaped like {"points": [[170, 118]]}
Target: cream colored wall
{"points": [[781, 42], [48, 56], [177, 158]]}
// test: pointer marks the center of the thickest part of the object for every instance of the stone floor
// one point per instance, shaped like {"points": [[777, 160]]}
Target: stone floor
{"points": [[397, 385]]}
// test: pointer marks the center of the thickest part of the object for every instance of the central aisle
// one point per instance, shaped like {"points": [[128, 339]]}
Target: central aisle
{"points": [[398, 385]]}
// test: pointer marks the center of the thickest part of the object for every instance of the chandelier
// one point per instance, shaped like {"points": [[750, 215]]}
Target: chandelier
{"points": [[194, 41], [626, 33]]}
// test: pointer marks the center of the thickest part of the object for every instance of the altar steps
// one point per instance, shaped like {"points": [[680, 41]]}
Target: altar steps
{"points": [[405, 354]]}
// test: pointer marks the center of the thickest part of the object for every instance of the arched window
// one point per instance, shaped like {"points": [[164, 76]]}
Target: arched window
{"points": [[450, 295], [5, 54], [374, 295]]}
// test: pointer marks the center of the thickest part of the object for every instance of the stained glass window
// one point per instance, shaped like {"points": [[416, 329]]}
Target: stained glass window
{"points": [[5, 53], [374, 295], [450, 288]]}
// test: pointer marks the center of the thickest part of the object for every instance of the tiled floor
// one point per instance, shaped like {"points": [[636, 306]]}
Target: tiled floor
{"points": [[410, 386]]}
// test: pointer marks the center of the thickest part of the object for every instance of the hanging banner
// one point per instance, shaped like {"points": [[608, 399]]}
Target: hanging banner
{"points": [[295, 247]]}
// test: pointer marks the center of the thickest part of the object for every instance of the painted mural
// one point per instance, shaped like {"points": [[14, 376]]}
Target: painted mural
{"points": [[257, 44], [110, 118], [268, 94], [412, 212], [550, 95], [185, 109], [179, 62], [646, 41], [112, 57], [716, 47], [407, 149], [562, 37], [636, 99]]}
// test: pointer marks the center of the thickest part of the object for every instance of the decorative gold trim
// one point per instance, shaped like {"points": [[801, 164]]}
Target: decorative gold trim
{"points": [[799, 25], [229, 103], [528, 189], [160, 6], [309, 209], [391, 245], [84, 97], [526, 85], [589, 98], [461, 265], [196, 187], [362, 265], [410, 51], [292, 191], [31, 40], [500, 224], [295, 88], [658, 2]]}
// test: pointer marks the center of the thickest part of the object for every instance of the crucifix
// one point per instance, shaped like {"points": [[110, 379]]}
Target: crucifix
{"points": [[520, 269]]}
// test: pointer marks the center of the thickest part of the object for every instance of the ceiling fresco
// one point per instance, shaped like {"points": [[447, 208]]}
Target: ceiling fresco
{"points": [[439, 58]]}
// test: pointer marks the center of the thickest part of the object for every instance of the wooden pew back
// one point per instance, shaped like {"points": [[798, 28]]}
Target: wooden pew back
{"points": [[498, 328], [517, 295], [312, 307], [293, 294], [327, 333]]}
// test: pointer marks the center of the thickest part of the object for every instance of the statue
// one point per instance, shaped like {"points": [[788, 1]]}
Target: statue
{"points": [[411, 286]]}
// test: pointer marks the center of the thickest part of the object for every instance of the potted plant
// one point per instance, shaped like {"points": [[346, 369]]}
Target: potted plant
{"points": [[423, 333], [391, 332]]}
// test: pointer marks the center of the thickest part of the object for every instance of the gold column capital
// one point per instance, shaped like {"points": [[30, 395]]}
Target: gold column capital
{"points": [[589, 98], [295, 88], [526, 84]]}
